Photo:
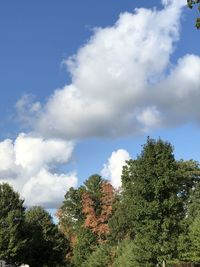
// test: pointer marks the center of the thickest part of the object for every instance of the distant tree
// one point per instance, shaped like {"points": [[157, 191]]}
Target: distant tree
{"points": [[12, 211], [46, 245], [191, 4]]}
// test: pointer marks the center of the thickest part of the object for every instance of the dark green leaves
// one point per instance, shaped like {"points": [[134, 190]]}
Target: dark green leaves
{"points": [[12, 210], [191, 4]]}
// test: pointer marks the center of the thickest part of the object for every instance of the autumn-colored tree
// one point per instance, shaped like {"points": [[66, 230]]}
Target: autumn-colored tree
{"points": [[98, 223], [84, 217]]}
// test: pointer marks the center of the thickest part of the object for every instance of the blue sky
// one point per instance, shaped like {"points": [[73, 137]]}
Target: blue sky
{"points": [[37, 38]]}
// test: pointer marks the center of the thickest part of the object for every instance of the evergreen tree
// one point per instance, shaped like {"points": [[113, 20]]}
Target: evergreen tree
{"points": [[152, 186], [188, 240], [101, 257], [46, 247], [85, 244], [125, 254], [12, 211]]}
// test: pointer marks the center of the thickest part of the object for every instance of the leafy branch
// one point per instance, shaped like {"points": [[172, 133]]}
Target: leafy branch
{"points": [[191, 4]]}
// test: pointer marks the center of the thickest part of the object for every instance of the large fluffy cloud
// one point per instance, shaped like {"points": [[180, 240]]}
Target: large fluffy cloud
{"points": [[112, 170], [123, 83], [30, 164], [120, 80]]}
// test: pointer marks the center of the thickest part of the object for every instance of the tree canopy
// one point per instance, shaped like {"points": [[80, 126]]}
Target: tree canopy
{"points": [[46, 245], [153, 219], [12, 211]]}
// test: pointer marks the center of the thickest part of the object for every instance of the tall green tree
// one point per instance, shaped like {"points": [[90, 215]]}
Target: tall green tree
{"points": [[12, 211], [189, 239], [101, 257], [84, 246], [154, 189], [46, 245]]}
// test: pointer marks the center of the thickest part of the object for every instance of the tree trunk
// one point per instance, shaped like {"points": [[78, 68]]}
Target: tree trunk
{"points": [[164, 263]]}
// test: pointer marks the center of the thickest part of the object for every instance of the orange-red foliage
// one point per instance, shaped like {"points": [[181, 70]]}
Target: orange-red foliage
{"points": [[99, 223]]}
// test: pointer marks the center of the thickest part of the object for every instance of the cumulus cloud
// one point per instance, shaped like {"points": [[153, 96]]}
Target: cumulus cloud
{"points": [[30, 165], [120, 84], [123, 83], [112, 170], [179, 3]]}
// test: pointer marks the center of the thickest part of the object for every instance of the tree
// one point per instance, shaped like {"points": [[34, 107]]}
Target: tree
{"points": [[98, 213], [46, 245], [71, 218], [84, 217], [154, 189], [189, 240], [191, 4], [12, 211], [194, 239], [125, 254], [86, 242], [101, 257]]}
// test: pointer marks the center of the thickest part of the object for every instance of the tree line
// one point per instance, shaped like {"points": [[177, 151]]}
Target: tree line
{"points": [[152, 220], [28, 236]]}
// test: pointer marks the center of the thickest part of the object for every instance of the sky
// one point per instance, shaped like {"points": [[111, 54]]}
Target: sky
{"points": [[82, 85]]}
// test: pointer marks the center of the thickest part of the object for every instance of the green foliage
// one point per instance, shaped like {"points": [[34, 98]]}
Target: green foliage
{"points": [[70, 214], [153, 191], [155, 217], [46, 245], [101, 257], [194, 203], [194, 237], [125, 255], [190, 236], [85, 245], [191, 4], [93, 187], [121, 223], [83, 217], [12, 210]]}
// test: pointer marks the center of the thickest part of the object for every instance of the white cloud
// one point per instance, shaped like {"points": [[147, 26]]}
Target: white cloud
{"points": [[32, 152], [118, 79], [48, 189], [26, 107], [112, 170], [177, 96], [179, 3], [123, 83], [149, 117], [30, 163]]}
